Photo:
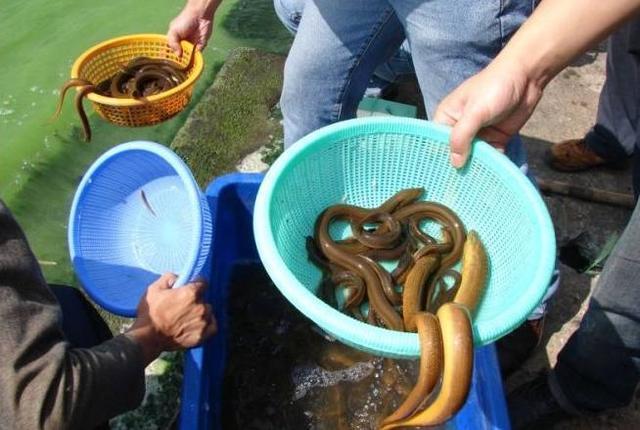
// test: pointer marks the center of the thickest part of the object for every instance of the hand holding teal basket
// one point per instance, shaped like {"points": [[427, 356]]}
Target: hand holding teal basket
{"points": [[363, 162]]}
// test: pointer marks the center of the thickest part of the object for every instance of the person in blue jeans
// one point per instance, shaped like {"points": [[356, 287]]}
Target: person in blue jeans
{"points": [[338, 46], [599, 367]]}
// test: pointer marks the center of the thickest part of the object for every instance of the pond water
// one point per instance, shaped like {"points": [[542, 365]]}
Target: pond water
{"points": [[41, 162]]}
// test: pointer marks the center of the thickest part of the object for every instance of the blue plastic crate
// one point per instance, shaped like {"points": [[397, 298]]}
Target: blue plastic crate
{"points": [[231, 199]]}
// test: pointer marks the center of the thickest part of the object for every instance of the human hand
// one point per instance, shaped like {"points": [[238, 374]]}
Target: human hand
{"points": [[193, 24], [494, 105], [170, 319]]}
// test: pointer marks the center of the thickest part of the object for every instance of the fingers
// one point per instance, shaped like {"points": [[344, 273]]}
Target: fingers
{"points": [[445, 113], [173, 39], [164, 282], [481, 106], [462, 134], [207, 323], [173, 318], [198, 287], [198, 326], [454, 111], [212, 325], [495, 137]]}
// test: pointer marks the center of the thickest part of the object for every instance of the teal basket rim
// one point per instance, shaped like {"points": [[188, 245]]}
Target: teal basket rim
{"points": [[376, 339], [193, 193]]}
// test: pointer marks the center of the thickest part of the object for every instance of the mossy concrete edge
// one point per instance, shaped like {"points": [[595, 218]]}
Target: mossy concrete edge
{"points": [[232, 119]]}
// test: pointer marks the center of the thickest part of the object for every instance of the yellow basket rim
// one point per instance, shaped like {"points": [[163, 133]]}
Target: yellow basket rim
{"points": [[198, 66]]}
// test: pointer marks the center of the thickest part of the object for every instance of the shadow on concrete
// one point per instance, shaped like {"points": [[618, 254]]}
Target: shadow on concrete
{"points": [[570, 218], [573, 290], [590, 56]]}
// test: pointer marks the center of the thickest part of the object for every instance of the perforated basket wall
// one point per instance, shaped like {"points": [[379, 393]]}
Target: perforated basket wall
{"points": [[365, 161], [137, 213], [104, 60]]}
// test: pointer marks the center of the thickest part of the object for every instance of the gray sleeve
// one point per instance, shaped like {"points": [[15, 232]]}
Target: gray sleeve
{"points": [[44, 383]]}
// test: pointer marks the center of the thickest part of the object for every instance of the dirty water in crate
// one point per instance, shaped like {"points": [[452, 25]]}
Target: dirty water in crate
{"points": [[283, 372]]}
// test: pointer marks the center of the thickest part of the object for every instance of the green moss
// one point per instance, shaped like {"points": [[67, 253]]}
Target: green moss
{"points": [[233, 117], [275, 146]]}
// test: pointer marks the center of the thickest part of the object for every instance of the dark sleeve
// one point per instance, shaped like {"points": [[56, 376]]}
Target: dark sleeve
{"points": [[43, 382]]}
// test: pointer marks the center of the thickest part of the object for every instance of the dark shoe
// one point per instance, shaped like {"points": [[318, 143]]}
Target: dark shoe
{"points": [[532, 405], [573, 156], [516, 347]]}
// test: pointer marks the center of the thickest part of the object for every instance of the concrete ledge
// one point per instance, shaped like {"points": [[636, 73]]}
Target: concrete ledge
{"points": [[232, 119]]}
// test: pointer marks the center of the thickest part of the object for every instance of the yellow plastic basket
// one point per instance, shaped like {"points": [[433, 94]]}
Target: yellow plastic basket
{"points": [[105, 59]]}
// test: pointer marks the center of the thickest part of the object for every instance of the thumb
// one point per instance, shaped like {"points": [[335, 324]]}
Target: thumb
{"points": [[463, 133]]}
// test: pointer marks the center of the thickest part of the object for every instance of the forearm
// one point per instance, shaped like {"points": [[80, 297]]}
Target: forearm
{"points": [[560, 30], [71, 388], [147, 341], [204, 8]]}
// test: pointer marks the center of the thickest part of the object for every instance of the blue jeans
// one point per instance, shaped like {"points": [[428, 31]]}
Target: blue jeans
{"points": [[599, 367], [339, 45], [398, 68]]}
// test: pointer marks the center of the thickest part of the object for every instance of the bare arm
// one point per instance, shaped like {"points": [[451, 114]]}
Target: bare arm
{"points": [[497, 102]]}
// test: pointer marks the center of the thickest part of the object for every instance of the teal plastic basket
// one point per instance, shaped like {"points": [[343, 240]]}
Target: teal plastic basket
{"points": [[363, 162]]}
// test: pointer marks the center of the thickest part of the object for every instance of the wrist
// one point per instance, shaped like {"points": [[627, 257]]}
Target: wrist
{"points": [[537, 69], [203, 9], [528, 73], [148, 341]]}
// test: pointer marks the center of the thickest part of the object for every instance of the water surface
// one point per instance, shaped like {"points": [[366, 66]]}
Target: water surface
{"points": [[283, 372]]}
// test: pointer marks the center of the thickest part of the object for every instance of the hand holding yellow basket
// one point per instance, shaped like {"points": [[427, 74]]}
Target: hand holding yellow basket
{"points": [[104, 60]]}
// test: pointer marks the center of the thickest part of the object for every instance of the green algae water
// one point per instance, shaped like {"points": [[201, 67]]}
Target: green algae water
{"points": [[41, 162]]}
